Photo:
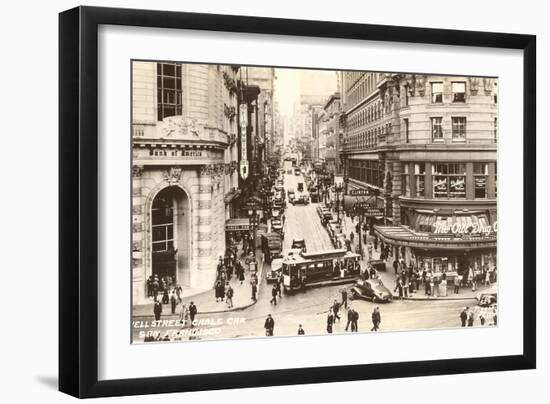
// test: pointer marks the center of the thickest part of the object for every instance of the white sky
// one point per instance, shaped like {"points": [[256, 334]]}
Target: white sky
{"points": [[290, 83]]}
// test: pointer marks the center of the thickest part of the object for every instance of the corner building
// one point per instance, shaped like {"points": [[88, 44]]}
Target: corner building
{"points": [[426, 147], [184, 133]]}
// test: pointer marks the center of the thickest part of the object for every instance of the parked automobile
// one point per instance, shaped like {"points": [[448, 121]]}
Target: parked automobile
{"points": [[291, 195], [370, 289], [300, 187]]}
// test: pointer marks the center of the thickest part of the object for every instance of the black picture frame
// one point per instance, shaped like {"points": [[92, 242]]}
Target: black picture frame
{"points": [[78, 196]]}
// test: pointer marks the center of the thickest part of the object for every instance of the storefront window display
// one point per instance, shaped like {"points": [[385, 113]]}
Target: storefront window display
{"points": [[449, 180], [420, 178]]}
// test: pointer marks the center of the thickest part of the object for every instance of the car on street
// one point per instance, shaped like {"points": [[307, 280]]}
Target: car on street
{"points": [[301, 200], [487, 298], [300, 187], [299, 243], [370, 289], [290, 194]]}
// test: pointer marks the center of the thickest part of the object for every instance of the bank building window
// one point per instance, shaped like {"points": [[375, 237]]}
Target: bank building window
{"points": [[437, 93], [437, 129], [459, 129], [459, 91], [162, 225], [169, 98], [480, 180]]}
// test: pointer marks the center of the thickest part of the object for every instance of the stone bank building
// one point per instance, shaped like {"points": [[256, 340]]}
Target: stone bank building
{"points": [[185, 170]]}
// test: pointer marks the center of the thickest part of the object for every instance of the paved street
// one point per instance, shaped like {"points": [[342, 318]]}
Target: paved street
{"points": [[310, 308]]}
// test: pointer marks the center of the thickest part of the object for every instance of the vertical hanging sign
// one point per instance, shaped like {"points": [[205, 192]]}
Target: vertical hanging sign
{"points": [[243, 122]]}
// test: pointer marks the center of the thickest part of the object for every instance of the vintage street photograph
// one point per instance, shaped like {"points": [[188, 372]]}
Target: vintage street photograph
{"points": [[285, 202]]}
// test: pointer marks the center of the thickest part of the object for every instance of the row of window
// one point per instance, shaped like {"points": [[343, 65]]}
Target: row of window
{"points": [[366, 86], [369, 114], [370, 172], [448, 180]]}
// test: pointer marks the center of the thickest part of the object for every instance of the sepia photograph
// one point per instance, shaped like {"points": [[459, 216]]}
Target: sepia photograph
{"points": [[289, 202]]}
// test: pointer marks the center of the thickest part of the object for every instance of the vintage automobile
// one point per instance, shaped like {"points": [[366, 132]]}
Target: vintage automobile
{"points": [[300, 187], [276, 270], [370, 289], [487, 298], [290, 194], [277, 226], [301, 200], [299, 243]]}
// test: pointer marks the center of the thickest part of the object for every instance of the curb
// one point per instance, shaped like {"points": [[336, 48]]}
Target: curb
{"points": [[436, 298]]}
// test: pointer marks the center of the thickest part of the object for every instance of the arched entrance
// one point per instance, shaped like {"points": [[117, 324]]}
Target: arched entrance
{"points": [[171, 236]]}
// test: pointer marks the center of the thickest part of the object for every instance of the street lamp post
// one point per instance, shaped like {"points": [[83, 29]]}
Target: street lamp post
{"points": [[252, 216]]}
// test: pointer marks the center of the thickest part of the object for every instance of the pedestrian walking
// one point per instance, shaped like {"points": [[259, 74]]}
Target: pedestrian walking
{"points": [[456, 283], [184, 315], [229, 295], [470, 318], [464, 316], [254, 291], [395, 266], [173, 302], [330, 321], [269, 325], [274, 294], [192, 312], [481, 319], [335, 310], [376, 319], [301, 330], [350, 317], [279, 284], [354, 320], [344, 298], [375, 243], [157, 309]]}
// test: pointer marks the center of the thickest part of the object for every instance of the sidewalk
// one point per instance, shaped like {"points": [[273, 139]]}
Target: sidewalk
{"points": [[206, 301]]}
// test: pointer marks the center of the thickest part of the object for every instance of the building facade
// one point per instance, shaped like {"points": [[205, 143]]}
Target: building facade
{"points": [[185, 164], [332, 128], [425, 148]]}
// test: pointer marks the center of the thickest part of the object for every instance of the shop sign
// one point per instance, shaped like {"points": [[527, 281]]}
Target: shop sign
{"points": [[359, 192], [465, 229], [368, 210]]}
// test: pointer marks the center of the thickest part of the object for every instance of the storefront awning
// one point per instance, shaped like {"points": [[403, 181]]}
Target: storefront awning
{"points": [[402, 236], [240, 224], [369, 200]]}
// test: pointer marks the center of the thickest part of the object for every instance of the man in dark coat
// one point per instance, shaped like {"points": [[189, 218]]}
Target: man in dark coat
{"points": [[330, 321], [350, 317], [464, 316], [344, 298], [335, 310], [274, 293], [269, 325], [157, 309], [355, 318], [173, 302], [395, 266], [192, 312], [376, 319], [254, 291], [301, 330]]}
